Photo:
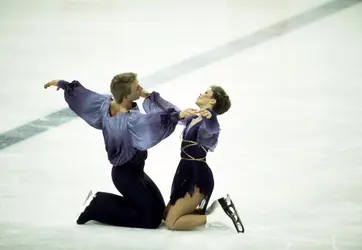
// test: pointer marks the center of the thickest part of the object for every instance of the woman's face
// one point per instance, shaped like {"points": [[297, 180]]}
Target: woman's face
{"points": [[206, 100]]}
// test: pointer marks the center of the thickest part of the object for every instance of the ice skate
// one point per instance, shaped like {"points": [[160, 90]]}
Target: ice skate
{"points": [[81, 216], [227, 207]]}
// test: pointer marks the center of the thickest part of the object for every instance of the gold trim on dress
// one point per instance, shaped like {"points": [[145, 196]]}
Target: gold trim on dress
{"points": [[192, 143]]}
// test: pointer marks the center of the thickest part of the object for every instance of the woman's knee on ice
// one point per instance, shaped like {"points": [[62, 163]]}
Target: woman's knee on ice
{"points": [[171, 221], [183, 206]]}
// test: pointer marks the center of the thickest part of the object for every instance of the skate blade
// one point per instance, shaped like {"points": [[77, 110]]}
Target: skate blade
{"points": [[86, 203], [229, 208]]}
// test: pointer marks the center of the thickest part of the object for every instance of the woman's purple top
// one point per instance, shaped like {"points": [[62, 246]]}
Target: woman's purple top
{"points": [[207, 130]]}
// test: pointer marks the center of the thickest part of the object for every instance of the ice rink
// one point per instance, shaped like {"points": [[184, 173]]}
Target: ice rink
{"points": [[290, 150]]}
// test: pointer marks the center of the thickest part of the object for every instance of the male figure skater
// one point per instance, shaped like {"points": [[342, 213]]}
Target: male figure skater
{"points": [[128, 134]]}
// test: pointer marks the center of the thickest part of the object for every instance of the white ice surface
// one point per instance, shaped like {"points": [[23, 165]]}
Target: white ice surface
{"points": [[289, 151]]}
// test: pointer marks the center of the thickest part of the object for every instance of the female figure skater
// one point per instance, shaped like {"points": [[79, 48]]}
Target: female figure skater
{"points": [[193, 182], [127, 135]]}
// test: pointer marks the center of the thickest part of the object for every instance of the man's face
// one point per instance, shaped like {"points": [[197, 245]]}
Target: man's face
{"points": [[135, 91]]}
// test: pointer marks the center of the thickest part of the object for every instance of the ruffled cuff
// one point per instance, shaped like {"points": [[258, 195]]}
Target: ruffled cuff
{"points": [[68, 87], [211, 126], [170, 116]]}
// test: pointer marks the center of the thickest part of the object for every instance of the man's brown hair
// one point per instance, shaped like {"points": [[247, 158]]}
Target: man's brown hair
{"points": [[121, 85]]}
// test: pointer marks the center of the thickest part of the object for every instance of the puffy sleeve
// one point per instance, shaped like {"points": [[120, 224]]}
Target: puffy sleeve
{"points": [[209, 131], [83, 102], [147, 130], [155, 103]]}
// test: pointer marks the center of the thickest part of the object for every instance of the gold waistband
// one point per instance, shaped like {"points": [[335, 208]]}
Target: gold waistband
{"points": [[193, 143], [194, 159]]}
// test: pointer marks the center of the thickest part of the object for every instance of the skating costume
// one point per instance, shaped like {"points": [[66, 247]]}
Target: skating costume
{"points": [[193, 169], [197, 141], [127, 137]]}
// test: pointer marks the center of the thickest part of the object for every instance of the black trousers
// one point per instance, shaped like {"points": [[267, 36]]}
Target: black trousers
{"points": [[141, 204]]}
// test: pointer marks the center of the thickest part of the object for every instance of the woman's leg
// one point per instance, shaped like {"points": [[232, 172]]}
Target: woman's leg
{"points": [[196, 211], [180, 217]]}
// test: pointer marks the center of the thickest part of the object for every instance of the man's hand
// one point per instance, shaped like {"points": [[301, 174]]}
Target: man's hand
{"points": [[51, 83], [188, 112]]}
